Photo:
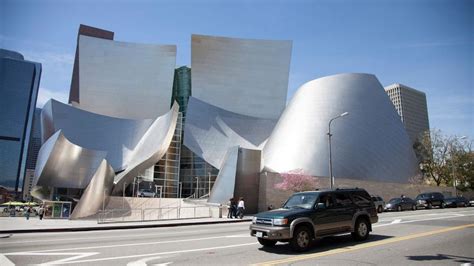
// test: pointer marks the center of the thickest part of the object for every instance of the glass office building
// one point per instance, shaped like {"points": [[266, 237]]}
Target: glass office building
{"points": [[19, 82]]}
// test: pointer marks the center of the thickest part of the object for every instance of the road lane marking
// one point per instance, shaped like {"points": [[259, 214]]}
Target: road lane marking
{"points": [[4, 261], [396, 221], [421, 220], [160, 253], [123, 245], [362, 246], [127, 237]]}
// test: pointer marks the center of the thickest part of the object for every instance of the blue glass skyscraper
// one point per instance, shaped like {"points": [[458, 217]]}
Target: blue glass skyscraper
{"points": [[19, 83]]}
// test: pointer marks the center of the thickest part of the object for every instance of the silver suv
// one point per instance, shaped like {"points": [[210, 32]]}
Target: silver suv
{"points": [[379, 203]]}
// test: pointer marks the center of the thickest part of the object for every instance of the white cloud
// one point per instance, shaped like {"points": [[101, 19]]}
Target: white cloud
{"points": [[44, 95]]}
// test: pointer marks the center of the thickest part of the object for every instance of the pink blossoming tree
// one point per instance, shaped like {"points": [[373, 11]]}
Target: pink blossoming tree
{"points": [[296, 180]]}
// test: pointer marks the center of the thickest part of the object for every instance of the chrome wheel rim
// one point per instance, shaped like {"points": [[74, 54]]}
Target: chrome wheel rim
{"points": [[303, 239], [362, 229]]}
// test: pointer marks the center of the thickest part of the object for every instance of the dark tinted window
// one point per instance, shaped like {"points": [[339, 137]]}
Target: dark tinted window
{"points": [[361, 198], [342, 200]]}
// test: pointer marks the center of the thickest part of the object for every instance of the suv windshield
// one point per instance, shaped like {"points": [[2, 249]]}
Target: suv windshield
{"points": [[422, 196], [304, 200], [395, 200]]}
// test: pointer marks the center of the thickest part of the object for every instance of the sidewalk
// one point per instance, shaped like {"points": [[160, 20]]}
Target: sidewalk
{"points": [[10, 225]]}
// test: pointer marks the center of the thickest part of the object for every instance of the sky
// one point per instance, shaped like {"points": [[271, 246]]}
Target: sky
{"points": [[424, 44]]}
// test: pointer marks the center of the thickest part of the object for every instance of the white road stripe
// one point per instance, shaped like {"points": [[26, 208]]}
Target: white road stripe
{"points": [[121, 245], [161, 253], [4, 261], [420, 220], [127, 237]]}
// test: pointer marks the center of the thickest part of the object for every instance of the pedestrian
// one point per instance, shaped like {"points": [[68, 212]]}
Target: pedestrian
{"points": [[241, 208], [41, 212], [231, 208], [27, 212], [270, 207]]}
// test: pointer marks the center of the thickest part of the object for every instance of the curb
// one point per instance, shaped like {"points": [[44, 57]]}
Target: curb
{"points": [[119, 227]]}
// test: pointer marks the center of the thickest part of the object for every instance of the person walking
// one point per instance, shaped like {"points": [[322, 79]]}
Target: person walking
{"points": [[27, 212], [231, 208], [41, 212], [241, 208]]}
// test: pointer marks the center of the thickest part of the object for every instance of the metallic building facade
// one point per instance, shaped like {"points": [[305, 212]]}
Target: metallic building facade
{"points": [[210, 131], [369, 144], [116, 74], [411, 107], [19, 83], [85, 31], [248, 77]]}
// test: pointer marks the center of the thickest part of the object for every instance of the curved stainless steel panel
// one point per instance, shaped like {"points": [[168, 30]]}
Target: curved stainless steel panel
{"points": [[97, 193], [126, 80], [244, 76], [118, 137], [63, 164], [151, 148], [223, 188], [210, 131], [370, 143]]}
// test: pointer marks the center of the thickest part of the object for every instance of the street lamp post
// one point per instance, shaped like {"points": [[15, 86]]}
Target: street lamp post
{"points": [[331, 177], [453, 166]]}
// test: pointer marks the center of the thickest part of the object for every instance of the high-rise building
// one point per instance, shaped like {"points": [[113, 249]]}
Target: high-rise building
{"points": [[412, 108], [33, 150], [19, 82]]}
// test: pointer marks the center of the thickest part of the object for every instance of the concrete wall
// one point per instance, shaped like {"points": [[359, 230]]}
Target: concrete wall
{"points": [[268, 195]]}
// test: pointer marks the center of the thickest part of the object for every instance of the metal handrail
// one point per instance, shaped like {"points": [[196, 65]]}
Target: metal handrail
{"points": [[154, 214]]}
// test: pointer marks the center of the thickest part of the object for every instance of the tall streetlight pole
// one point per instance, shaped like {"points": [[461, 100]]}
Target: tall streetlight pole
{"points": [[331, 177], [452, 164]]}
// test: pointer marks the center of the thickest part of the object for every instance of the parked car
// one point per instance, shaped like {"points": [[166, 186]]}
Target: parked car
{"points": [[471, 202], [455, 202], [315, 214], [379, 203], [146, 193], [401, 204], [430, 200]]}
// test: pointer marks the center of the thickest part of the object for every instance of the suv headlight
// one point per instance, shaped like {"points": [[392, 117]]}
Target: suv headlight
{"points": [[254, 220], [280, 221]]}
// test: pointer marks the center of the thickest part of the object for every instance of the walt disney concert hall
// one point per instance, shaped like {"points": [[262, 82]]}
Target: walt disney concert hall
{"points": [[132, 115]]}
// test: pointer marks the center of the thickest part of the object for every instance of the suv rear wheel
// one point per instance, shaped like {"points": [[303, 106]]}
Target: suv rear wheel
{"points": [[301, 240], [266, 242], [429, 205], [361, 230]]}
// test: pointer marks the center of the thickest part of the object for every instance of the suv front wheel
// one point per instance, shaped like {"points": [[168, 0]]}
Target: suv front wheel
{"points": [[266, 242], [361, 230], [301, 240]]}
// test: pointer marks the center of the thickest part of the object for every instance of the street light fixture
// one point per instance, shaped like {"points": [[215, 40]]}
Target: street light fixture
{"points": [[331, 177], [452, 163]]}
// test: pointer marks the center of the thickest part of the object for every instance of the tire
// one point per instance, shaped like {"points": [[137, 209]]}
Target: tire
{"points": [[413, 207], [399, 208], [443, 205], [266, 242], [380, 209], [361, 230], [301, 240], [429, 206]]}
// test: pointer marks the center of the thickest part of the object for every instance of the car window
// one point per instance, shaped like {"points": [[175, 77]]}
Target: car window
{"points": [[327, 199], [395, 200], [304, 200], [360, 198], [342, 200]]}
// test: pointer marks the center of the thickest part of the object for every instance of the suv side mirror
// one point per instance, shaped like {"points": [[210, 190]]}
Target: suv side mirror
{"points": [[321, 206]]}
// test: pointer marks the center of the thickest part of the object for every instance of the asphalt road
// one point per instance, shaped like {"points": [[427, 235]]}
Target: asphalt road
{"points": [[423, 237]]}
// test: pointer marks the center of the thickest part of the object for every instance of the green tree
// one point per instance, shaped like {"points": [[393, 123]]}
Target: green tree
{"points": [[444, 159]]}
